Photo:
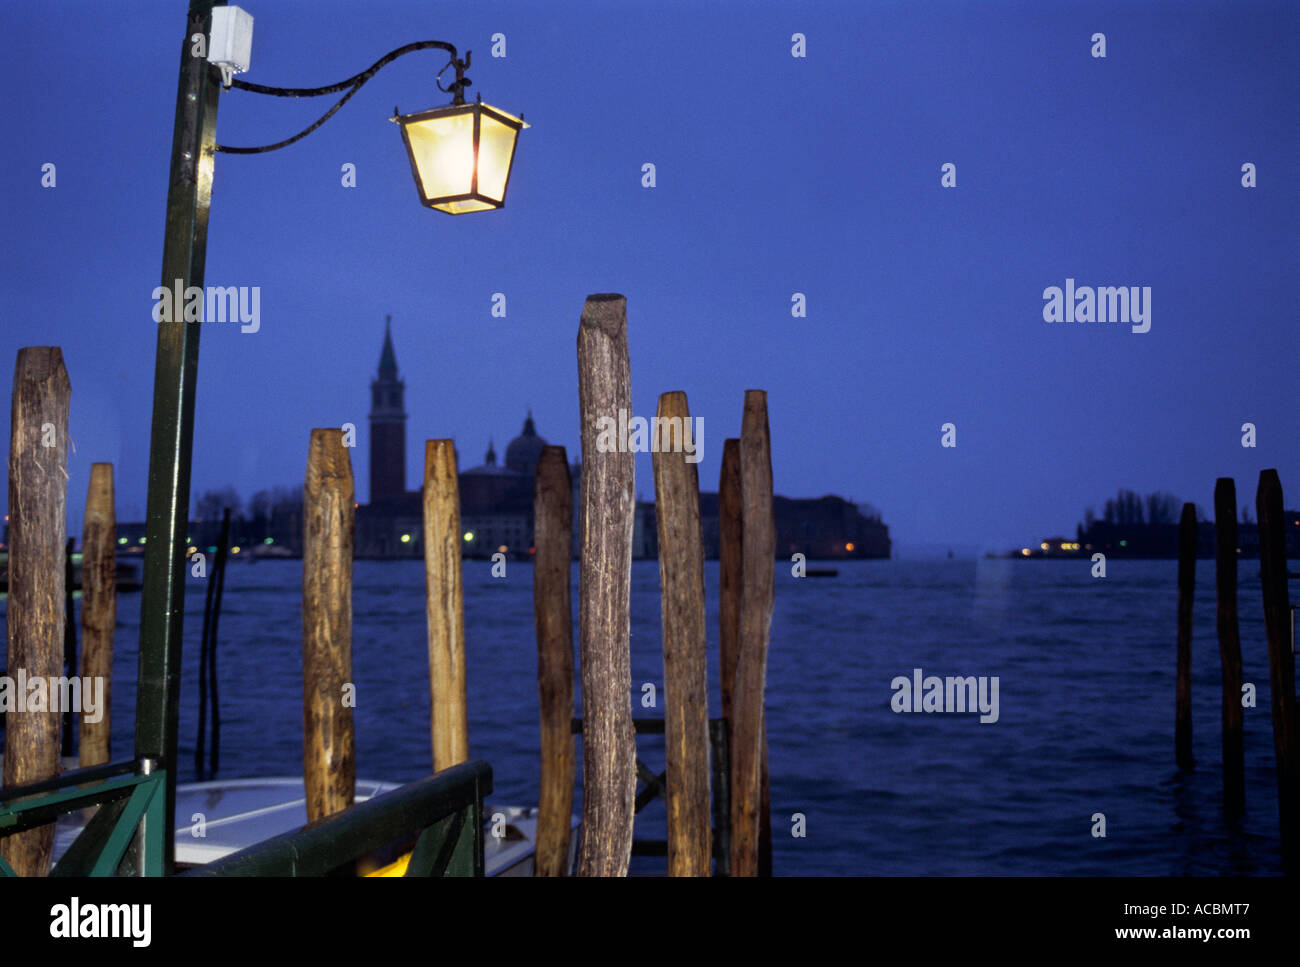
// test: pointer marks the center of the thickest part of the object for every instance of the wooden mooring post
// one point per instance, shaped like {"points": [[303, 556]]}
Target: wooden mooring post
{"points": [[764, 811], [444, 605], [730, 536], [38, 490], [553, 615], [686, 686], [608, 508], [329, 744], [1186, 590], [1281, 660], [1225, 576], [730, 539], [98, 609], [758, 555]]}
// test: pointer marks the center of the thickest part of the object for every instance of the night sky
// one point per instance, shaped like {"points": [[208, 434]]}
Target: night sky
{"points": [[775, 175]]}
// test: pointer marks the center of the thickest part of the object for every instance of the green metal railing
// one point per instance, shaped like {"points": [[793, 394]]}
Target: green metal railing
{"points": [[445, 809], [127, 834]]}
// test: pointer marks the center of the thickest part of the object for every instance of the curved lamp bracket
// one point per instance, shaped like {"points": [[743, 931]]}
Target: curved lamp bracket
{"points": [[352, 85]]}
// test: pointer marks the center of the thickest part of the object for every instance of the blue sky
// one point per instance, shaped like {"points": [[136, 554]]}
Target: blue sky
{"points": [[775, 175]]}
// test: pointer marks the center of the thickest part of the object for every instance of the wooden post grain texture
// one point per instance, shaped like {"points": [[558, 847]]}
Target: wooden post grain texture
{"points": [[686, 685], [604, 593], [1281, 661], [758, 553], [764, 811], [38, 491], [98, 608], [444, 605], [329, 743], [730, 536], [1225, 576], [1186, 590], [553, 615]]}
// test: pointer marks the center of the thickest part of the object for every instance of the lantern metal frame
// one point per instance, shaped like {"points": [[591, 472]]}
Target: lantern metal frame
{"points": [[460, 107]]}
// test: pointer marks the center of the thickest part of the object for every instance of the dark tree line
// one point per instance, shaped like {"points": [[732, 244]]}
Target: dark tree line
{"points": [[275, 514], [1129, 509]]}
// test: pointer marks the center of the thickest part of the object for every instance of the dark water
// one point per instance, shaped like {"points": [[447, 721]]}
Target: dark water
{"points": [[1086, 703]]}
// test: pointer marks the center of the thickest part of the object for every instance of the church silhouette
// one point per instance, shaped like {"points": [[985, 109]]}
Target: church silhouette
{"points": [[496, 500]]}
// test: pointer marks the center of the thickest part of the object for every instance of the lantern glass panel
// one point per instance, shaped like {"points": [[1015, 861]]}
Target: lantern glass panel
{"points": [[495, 150], [443, 150]]}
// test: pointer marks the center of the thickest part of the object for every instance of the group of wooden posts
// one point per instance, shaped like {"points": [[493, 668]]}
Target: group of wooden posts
{"points": [[1281, 659], [746, 587], [606, 516], [36, 617], [39, 587]]}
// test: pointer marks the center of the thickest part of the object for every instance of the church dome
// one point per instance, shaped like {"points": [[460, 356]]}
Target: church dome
{"points": [[526, 449]]}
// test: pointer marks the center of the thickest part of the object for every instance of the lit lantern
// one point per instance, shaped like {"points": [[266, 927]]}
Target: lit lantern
{"points": [[461, 155]]}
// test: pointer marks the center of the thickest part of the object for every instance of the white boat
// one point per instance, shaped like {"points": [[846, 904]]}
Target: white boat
{"points": [[215, 819]]}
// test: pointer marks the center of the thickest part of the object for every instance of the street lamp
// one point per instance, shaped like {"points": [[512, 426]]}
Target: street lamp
{"points": [[461, 156]]}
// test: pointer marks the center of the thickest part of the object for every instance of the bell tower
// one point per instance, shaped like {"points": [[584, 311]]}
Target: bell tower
{"points": [[387, 426]]}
